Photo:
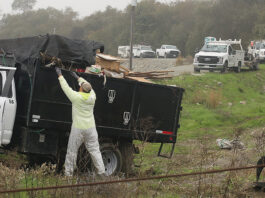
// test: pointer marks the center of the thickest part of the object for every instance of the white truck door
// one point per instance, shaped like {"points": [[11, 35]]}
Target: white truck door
{"points": [[231, 57], [8, 104]]}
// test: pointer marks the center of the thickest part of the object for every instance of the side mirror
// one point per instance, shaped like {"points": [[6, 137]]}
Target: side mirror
{"points": [[196, 50]]}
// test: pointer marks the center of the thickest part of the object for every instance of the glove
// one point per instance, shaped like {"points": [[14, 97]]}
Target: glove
{"points": [[58, 71], [75, 75]]}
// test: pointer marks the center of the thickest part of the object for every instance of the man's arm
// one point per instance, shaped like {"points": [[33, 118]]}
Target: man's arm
{"points": [[69, 92]]}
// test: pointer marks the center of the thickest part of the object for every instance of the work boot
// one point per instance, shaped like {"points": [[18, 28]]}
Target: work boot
{"points": [[102, 176]]}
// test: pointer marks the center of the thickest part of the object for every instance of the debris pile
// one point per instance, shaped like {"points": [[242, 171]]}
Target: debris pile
{"points": [[109, 66]]}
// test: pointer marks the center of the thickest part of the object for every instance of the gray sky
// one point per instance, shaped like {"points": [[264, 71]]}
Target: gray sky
{"points": [[83, 7]]}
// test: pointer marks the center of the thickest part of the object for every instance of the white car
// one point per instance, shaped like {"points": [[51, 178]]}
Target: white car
{"points": [[220, 55], [168, 51]]}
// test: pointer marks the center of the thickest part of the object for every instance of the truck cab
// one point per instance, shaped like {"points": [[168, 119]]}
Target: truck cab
{"points": [[219, 55], [8, 103], [167, 51]]}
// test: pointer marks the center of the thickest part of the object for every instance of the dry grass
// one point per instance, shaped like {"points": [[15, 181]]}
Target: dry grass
{"points": [[179, 60], [200, 155], [211, 98]]}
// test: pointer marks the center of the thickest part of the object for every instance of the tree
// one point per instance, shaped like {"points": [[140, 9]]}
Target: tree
{"points": [[23, 5]]}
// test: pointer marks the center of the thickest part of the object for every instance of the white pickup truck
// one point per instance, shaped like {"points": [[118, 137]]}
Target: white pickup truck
{"points": [[143, 51], [167, 51], [220, 55]]}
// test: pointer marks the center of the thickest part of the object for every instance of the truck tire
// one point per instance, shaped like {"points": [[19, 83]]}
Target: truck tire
{"points": [[238, 68], [111, 155], [196, 70], [112, 158], [255, 66], [127, 152], [225, 67]]}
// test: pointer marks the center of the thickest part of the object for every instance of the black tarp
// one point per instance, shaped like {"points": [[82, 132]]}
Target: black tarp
{"points": [[27, 50]]}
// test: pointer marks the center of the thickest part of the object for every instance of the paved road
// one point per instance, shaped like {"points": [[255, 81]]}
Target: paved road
{"points": [[178, 70]]}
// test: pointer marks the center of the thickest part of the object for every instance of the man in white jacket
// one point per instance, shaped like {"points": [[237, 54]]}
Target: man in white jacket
{"points": [[83, 127]]}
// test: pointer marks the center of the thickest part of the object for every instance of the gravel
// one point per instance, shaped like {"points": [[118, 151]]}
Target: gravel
{"points": [[158, 64]]}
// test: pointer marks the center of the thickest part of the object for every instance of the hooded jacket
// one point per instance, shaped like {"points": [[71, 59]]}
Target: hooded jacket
{"points": [[82, 105]]}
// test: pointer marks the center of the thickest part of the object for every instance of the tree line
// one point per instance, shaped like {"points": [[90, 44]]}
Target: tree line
{"points": [[184, 24]]}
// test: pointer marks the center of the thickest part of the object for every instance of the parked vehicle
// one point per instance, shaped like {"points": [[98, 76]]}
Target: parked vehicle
{"points": [[124, 51], [168, 51], [261, 55], [256, 50], [220, 55], [36, 115], [143, 51]]}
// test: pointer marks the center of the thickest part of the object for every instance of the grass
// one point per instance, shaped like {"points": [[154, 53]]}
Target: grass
{"points": [[212, 102], [214, 106]]}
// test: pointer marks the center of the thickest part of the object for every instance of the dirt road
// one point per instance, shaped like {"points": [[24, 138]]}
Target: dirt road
{"points": [[154, 64]]}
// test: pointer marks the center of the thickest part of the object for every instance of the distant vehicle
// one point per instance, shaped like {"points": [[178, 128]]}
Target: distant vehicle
{"points": [[143, 51], [209, 39], [220, 55], [256, 50], [261, 55], [124, 51], [167, 51]]}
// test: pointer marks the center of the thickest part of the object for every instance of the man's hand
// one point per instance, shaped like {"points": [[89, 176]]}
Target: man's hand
{"points": [[75, 75], [58, 71]]}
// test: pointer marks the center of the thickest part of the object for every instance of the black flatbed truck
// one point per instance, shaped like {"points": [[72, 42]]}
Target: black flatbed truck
{"points": [[125, 110]]}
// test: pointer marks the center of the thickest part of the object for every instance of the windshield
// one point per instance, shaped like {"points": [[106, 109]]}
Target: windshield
{"points": [[262, 46], [146, 48], [214, 48], [171, 47]]}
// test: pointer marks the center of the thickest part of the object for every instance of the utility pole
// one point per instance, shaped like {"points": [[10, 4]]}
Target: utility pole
{"points": [[134, 3]]}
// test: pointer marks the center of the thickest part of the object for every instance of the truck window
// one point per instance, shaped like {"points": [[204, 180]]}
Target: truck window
{"points": [[236, 47], [10, 92], [1, 82], [230, 50]]}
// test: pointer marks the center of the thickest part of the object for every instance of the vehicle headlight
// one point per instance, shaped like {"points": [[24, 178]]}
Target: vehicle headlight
{"points": [[220, 59], [196, 59]]}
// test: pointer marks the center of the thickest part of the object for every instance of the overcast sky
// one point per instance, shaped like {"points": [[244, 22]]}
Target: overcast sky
{"points": [[83, 7]]}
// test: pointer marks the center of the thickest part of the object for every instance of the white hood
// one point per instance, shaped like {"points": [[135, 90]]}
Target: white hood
{"points": [[201, 53], [147, 51], [172, 50]]}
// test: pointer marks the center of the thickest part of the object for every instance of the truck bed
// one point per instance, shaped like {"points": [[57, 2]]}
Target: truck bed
{"points": [[124, 108]]}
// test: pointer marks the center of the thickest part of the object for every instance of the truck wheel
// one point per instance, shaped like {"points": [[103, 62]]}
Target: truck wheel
{"points": [[238, 69], [255, 66], [111, 157], [225, 67], [196, 70], [127, 151]]}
